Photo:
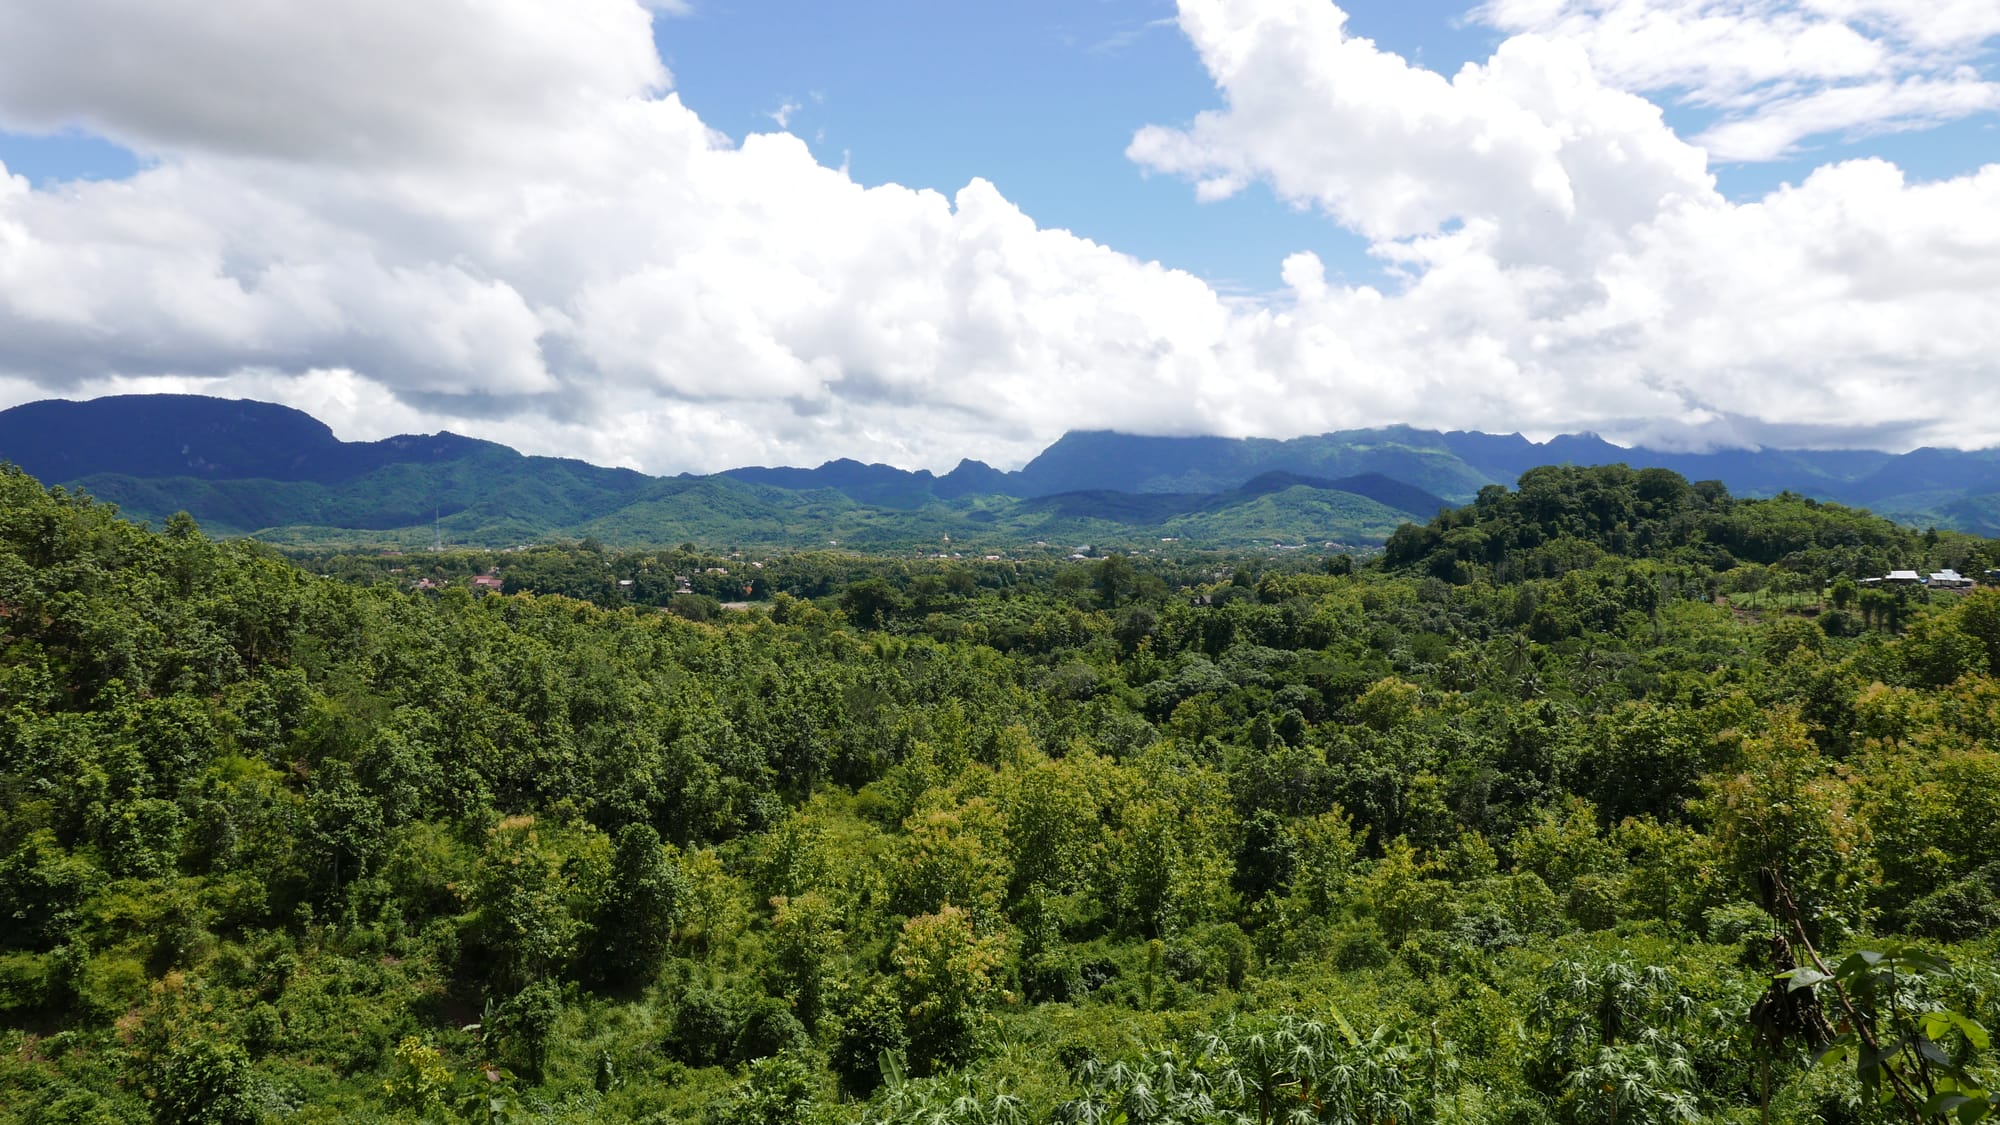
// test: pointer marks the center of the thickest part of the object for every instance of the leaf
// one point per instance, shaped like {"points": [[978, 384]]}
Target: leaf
{"points": [[1972, 1029], [1944, 1103], [1931, 1051], [1924, 961], [1804, 978], [1340, 1021], [890, 1063]]}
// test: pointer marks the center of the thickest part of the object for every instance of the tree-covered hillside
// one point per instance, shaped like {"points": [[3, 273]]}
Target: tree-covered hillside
{"points": [[1562, 517], [1513, 827], [251, 468]]}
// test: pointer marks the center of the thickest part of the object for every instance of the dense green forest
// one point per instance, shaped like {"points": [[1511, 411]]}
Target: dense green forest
{"points": [[394, 508], [1609, 799]]}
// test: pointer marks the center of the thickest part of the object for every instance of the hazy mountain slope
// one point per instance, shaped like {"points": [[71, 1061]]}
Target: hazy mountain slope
{"points": [[248, 467], [488, 481], [164, 436], [1127, 463], [871, 484], [151, 436]]}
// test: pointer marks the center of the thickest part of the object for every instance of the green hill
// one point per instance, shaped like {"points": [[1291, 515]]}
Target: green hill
{"points": [[246, 468]]}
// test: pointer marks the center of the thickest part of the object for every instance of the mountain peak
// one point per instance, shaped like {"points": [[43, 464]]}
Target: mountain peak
{"points": [[140, 451], [162, 435]]}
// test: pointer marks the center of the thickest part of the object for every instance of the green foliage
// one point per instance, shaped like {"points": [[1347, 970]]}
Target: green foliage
{"points": [[1564, 518], [950, 977], [1268, 1066], [422, 1082], [526, 919], [524, 1025], [640, 909], [201, 1083], [1215, 838], [780, 1090], [1905, 1047], [42, 890], [872, 1028]]}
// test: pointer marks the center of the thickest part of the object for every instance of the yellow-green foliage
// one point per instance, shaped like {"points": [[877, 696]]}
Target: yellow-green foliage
{"points": [[1477, 836]]}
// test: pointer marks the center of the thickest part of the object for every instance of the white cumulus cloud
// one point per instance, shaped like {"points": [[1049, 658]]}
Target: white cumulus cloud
{"points": [[1569, 255], [495, 218], [1781, 73]]}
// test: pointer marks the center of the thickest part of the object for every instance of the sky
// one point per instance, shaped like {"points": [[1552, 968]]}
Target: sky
{"points": [[684, 235]]}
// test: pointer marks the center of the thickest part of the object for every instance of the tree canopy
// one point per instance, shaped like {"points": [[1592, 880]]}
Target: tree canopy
{"points": [[1543, 816]]}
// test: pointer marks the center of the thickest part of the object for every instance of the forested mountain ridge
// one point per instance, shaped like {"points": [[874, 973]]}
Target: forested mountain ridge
{"points": [[245, 468], [195, 436], [254, 468], [937, 841], [1941, 487]]}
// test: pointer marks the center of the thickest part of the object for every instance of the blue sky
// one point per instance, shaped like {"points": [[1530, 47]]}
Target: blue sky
{"points": [[1041, 97], [478, 216]]}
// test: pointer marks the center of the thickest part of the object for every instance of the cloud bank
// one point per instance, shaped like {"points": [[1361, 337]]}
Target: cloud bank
{"points": [[534, 240], [1782, 73]]}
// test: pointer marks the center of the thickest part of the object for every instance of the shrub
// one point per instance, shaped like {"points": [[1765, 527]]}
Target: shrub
{"points": [[202, 1083], [873, 1027], [703, 1028]]}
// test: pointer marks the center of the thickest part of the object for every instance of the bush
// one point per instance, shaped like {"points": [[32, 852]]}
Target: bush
{"points": [[1746, 927], [1735, 922], [1485, 926], [42, 888], [527, 1024], [78, 1107], [873, 1027], [1594, 901], [22, 977], [1961, 910], [1052, 976], [768, 1029], [781, 1090], [1361, 948], [201, 1083], [704, 1028], [263, 1030], [1210, 957]]}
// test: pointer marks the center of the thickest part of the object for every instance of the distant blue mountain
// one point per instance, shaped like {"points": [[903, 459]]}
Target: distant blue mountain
{"points": [[1750, 472], [1925, 485], [884, 484], [205, 438], [1129, 463], [1156, 507], [249, 465]]}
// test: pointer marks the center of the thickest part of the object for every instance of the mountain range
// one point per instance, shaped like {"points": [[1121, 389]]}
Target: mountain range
{"points": [[251, 468]]}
